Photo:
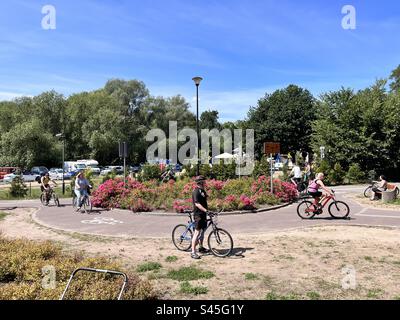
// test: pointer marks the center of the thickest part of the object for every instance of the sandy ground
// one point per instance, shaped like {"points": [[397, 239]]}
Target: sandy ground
{"points": [[378, 204], [311, 263]]}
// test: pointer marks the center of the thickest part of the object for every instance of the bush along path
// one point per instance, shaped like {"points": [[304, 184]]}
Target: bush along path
{"points": [[231, 195]]}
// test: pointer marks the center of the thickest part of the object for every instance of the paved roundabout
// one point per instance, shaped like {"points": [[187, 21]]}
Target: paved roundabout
{"points": [[121, 223]]}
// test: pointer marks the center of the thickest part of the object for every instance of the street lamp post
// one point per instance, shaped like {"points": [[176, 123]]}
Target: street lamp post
{"points": [[197, 81], [61, 136]]}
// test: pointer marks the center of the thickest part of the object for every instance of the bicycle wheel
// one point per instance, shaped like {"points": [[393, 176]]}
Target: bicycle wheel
{"points": [[43, 199], [56, 200], [339, 210], [306, 210], [220, 242], [182, 237], [87, 204], [397, 192], [368, 192]]}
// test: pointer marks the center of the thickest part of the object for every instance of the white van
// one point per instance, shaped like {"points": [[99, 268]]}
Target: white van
{"points": [[90, 164], [70, 166]]}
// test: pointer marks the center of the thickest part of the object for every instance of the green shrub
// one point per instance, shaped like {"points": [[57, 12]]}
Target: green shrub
{"points": [[250, 276], [355, 175], [148, 266], [325, 168], [18, 188], [262, 168], [3, 215], [171, 259], [187, 288], [237, 187], [110, 175], [189, 273], [150, 172], [336, 175], [224, 171]]}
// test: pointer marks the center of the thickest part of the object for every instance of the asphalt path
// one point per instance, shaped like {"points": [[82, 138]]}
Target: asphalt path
{"points": [[122, 223]]}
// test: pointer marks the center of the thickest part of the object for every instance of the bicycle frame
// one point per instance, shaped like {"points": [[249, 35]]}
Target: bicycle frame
{"points": [[323, 202], [192, 223], [326, 199]]}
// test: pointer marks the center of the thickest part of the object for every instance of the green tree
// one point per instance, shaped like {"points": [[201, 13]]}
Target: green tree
{"points": [[395, 77], [27, 145], [209, 120], [284, 116]]}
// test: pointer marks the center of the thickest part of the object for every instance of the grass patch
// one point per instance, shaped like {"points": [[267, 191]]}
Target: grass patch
{"points": [[250, 276], [367, 258], [395, 202], [189, 273], [187, 288], [375, 293], [3, 215], [34, 192], [274, 296], [148, 266], [313, 295], [22, 273], [171, 259]]}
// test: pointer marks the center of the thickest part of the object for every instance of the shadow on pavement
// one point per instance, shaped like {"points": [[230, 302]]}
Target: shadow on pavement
{"points": [[333, 219], [238, 252]]}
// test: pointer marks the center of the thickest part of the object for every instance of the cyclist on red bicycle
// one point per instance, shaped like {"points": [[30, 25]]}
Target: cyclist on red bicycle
{"points": [[313, 189]]}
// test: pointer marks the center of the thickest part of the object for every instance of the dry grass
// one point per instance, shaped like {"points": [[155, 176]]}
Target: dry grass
{"points": [[301, 264]]}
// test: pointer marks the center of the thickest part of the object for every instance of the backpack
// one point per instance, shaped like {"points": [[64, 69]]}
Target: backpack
{"points": [[38, 179]]}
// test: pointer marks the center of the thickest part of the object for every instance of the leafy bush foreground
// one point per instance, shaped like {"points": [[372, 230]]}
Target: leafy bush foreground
{"points": [[22, 276]]}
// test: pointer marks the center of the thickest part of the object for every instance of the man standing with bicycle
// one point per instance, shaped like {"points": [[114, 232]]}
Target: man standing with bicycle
{"points": [[200, 209]]}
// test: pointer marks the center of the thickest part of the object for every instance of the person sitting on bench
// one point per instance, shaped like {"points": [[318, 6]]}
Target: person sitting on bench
{"points": [[379, 188]]}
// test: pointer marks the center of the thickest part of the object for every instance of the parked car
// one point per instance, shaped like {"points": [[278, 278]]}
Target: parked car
{"points": [[69, 175], [94, 168], [39, 170], [117, 169], [56, 173], [135, 168], [7, 170], [26, 176]]}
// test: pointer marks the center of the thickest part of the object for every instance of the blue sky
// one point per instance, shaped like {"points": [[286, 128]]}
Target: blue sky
{"points": [[242, 49]]}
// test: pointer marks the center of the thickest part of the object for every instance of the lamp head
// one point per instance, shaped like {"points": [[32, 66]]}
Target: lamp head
{"points": [[197, 80]]}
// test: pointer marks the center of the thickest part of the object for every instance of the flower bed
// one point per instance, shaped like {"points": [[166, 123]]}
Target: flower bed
{"points": [[230, 195]]}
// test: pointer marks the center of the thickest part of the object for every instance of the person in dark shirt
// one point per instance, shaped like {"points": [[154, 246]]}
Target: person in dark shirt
{"points": [[200, 209]]}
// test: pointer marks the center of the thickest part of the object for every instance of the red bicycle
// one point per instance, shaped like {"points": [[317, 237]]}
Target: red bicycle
{"points": [[337, 209]]}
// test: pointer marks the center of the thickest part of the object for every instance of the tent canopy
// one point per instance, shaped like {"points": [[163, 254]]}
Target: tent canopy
{"points": [[225, 156]]}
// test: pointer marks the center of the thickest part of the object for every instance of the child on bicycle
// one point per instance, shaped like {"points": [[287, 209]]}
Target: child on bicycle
{"points": [[313, 189], [200, 210], [81, 188], [45, 186]]}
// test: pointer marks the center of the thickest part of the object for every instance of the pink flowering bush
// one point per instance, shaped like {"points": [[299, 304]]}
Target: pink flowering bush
{"points": [[181, 205], [230, 195]]}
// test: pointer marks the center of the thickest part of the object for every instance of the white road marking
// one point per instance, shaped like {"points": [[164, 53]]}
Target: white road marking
{"points": [[110, 221], [376, 216]]}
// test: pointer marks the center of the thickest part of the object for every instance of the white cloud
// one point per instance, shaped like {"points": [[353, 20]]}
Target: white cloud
{"points": [[8, 96]]}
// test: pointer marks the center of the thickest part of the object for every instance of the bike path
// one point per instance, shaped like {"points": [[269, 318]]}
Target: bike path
{"points": [[122, 223]]}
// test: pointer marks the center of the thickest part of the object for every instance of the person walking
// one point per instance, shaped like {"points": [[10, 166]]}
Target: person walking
{"points": [[200, 210]]}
